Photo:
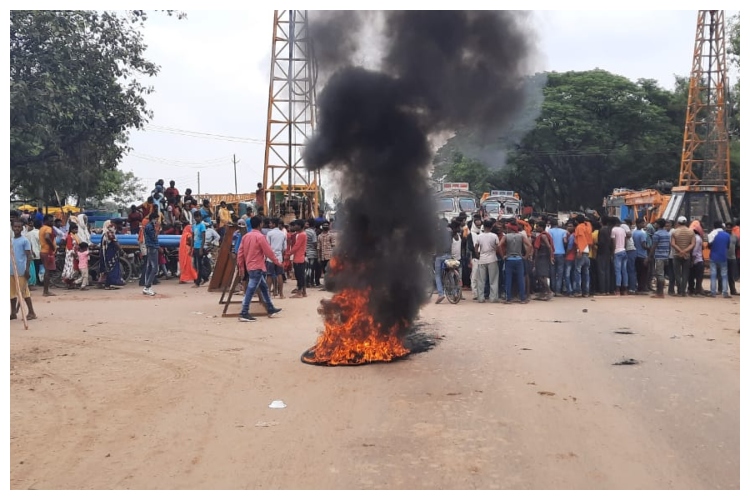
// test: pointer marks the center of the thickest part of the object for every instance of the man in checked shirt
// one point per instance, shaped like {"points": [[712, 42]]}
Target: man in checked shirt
{"points": [[326, 244]]}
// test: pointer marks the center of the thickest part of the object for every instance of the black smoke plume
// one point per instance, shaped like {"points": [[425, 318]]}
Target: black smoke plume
{"points": [[440, 71]]}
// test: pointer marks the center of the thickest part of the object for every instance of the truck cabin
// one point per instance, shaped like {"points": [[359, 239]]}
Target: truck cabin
{"points": [[502, 206], [452, 203]]}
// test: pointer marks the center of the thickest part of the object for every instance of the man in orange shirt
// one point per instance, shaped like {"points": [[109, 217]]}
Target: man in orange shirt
{"points": [[48, 248], [583, 240]]}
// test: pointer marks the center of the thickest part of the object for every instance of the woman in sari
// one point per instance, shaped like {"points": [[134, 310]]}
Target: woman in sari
{"points": [[70, 269], [109, 263], [187, 271]]}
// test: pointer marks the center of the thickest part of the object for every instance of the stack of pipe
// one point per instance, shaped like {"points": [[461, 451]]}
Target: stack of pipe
{"points": [[165, 240]]}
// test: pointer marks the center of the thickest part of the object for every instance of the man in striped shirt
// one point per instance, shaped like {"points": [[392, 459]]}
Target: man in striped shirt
{"points": [[660, 253], [683, 241]]}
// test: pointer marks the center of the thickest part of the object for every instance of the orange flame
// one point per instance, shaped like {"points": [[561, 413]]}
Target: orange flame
{"points": [[351, 335]]}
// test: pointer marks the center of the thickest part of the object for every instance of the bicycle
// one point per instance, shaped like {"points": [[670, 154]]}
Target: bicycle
{"points": [[451, 281]]}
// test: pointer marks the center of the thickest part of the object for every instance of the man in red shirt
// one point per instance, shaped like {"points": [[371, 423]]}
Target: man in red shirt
{"points": [[251, 263], [134, 218], [171, 193], [298, 258]]}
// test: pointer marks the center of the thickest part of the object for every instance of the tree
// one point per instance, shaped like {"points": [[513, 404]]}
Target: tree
{"points": [[469, 142], [597, 131], [733, 31], [123, 188], [74, 94], [469, 170]]}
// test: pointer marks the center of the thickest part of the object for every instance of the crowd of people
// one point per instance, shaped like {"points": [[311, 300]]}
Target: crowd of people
{"points": [[301, 249], [587, 255], [270, 253], [500, 259]]}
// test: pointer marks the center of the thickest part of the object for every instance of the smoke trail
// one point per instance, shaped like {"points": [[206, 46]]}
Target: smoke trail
{"points": [[439, 71]]}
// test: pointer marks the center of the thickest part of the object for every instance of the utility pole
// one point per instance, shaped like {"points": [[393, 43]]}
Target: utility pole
{"points": [[199, 183], [234, 160]]}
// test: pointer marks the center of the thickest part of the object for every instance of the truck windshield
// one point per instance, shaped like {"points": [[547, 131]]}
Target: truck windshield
{"points": [[467, 204], [445, 205], [492, 207]]}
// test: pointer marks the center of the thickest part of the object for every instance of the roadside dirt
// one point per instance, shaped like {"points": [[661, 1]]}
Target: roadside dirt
{"points": [[116, 390]]}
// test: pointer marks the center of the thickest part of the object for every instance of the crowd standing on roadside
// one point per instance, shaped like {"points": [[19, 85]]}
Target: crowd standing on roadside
{"points": [[586, 255]]}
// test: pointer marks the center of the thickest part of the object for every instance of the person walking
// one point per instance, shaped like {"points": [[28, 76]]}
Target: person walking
{"points": [[198, 245], [251, 263], [150, 233], [22, 256]]}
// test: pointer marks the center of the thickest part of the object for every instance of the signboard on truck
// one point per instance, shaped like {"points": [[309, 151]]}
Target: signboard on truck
{"points": [[502, 193], [461, 186]]}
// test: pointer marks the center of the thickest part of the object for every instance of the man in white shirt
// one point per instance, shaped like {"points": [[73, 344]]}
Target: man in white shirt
{"points": [[619, 235], [277, 241], [487, 245], [627, 225], [476, 230], [32, 234]]}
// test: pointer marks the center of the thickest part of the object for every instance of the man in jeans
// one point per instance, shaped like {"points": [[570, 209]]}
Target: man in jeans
{"points": [[620, 256], [511, 249], [718, 241], [583, 242], [487, 244], [660, 253], [442, 253], [640, 240], [627, 225], [151, 237], [251, 263], [604, 257], [682, 243], [732, 270], [558, 234], [198, 245]]}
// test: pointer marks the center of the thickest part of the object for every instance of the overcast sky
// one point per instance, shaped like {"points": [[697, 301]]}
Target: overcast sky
{"points": [[215, 75]]}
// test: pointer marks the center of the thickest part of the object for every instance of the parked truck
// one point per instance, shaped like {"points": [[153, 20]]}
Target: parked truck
{"points": [[454, 198], [502, 204]]}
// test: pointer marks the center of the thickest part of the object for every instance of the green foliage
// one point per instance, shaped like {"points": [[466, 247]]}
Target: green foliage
{"points": [[597, 131], [472, 143], [123, 188], [733, 33], [469, 170], [74, 94]]}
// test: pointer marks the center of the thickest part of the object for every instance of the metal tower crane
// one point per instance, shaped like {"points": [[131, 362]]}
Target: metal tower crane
{"points": [[294, 190], [703, 191]]}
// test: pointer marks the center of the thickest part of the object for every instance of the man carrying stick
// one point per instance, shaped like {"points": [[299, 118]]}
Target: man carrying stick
{"points": [[19, 282]]}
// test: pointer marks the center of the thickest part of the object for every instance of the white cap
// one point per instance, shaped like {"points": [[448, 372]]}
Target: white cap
{"points": [[681, 219]]}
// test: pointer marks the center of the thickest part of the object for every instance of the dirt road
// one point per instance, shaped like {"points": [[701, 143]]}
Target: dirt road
{"points": [[115, 390]]}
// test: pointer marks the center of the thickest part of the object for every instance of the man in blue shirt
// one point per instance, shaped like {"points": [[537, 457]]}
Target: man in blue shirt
{"points": [[640, 240], [22, 256], [198, 246], [718, 242], [151, 238], [558, 236], [660, 253], [206, 213]]}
